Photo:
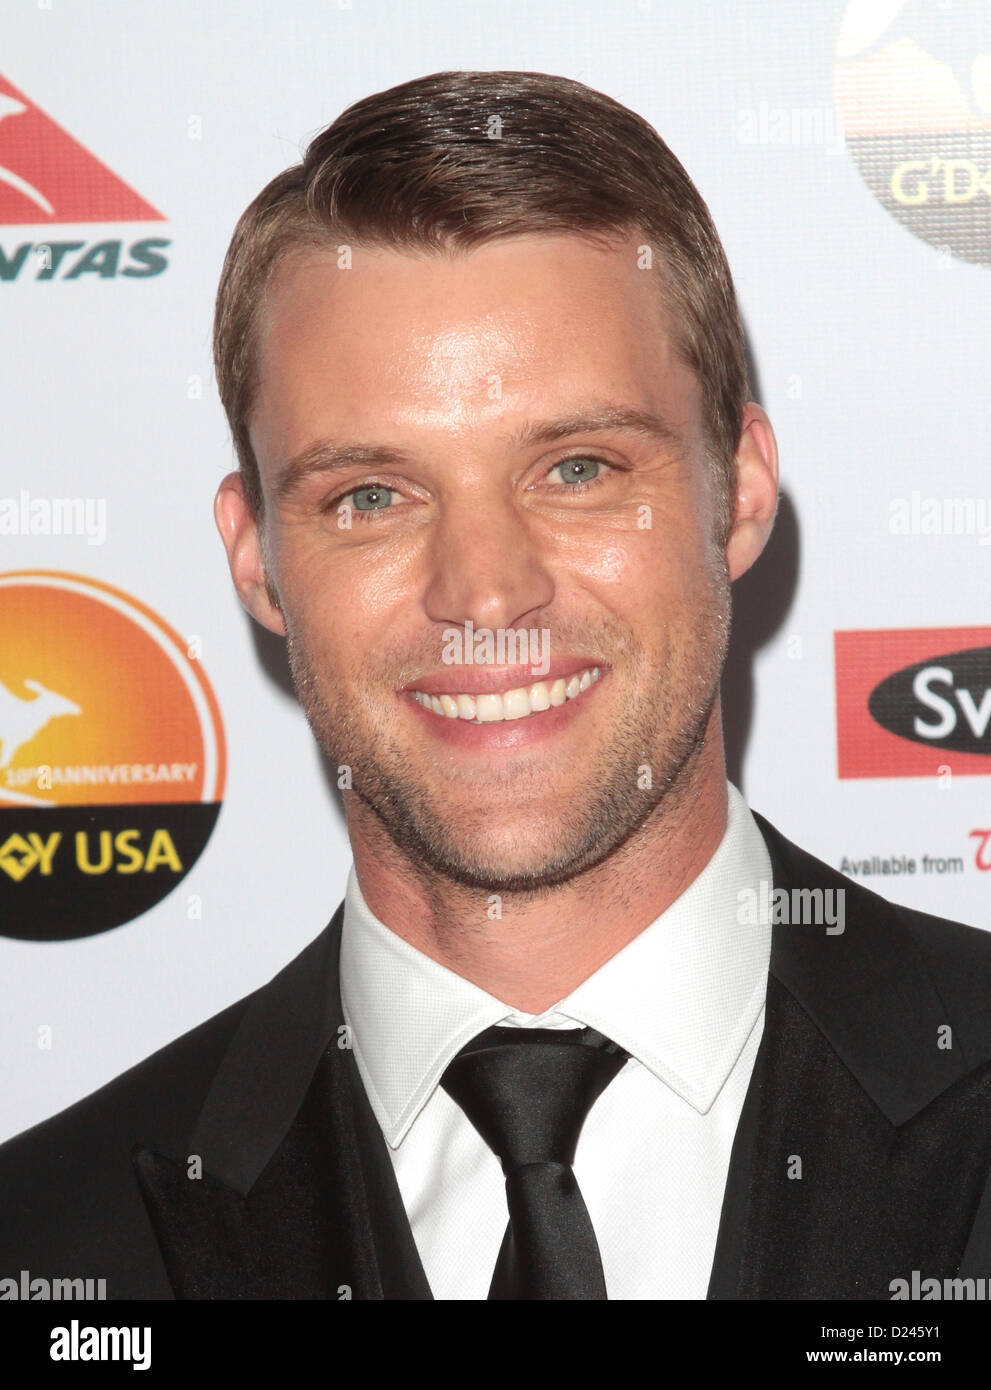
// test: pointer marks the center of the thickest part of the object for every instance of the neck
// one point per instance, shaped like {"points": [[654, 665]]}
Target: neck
{"points": [[543, 946]]}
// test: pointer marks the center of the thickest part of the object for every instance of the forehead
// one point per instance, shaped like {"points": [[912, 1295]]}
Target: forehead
{"points": [[456, 340]]}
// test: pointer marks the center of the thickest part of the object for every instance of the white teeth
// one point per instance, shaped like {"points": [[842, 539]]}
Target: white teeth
{"points": [[488, 708], [511, 704], [516, 704]]}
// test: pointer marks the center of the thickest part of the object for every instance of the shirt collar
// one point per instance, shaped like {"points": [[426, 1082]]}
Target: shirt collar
{"points": [[682, 997]]}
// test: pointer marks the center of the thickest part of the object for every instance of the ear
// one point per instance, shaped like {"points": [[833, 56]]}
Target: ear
{"points": [[242, 540], [756, 499]]}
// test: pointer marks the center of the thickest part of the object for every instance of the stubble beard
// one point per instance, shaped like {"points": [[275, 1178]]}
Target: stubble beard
{"points": [[661, 730]]}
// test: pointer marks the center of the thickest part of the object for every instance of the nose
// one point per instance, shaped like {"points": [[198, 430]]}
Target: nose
{"points": [[487, 565]]}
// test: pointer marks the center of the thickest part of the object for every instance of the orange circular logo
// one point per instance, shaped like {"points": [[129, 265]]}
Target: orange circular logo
{"points": [[112, 756], [913, 92]]}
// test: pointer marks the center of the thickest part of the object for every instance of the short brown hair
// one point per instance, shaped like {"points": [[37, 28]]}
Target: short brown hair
{"points": [[457, 159]]}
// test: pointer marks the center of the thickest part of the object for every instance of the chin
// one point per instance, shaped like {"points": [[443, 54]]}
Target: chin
{"points": [[487, 866], [495, 866]]}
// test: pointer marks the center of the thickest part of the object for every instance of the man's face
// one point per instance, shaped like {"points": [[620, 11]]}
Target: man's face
{"points": [[600, 542]]}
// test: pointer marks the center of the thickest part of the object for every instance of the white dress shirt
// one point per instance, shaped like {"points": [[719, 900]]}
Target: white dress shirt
{"points": [[685, 998]]}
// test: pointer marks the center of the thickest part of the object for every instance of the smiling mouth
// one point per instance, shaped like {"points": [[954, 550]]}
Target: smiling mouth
{"points": [[510, 704]]}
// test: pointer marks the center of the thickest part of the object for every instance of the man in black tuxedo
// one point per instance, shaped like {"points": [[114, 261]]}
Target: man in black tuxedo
{"points": [[584, 1026]]}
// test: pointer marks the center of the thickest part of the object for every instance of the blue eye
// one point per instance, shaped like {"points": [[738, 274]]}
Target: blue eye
{"points": [[578, 470], [372, 498]]}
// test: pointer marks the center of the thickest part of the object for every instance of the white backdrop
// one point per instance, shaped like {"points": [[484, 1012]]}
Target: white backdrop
{"points": [[871, 350]]}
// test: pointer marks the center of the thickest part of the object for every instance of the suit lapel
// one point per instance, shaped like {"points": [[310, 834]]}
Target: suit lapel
{"points": [[855, 1160], [285, 1188]]}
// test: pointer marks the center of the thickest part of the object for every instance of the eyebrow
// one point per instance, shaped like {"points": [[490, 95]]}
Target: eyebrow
{"points": [[329, 456]]}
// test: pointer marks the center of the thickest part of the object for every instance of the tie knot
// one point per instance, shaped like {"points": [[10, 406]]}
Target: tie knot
{"points": [[528, 1090]]}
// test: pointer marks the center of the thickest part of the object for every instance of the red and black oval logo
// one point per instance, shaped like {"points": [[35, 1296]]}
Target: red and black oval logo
{"points": [[944, 701], [912, 702]]}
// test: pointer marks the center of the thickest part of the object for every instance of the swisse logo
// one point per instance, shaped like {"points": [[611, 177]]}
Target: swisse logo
{"points": [[913, 94], [913, 702], [947, 701], [46, 178], [111, 756]]}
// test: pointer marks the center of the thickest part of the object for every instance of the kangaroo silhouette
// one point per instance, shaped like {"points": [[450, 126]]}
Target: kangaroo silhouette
{"points": [[10, 106], [21, 719]]}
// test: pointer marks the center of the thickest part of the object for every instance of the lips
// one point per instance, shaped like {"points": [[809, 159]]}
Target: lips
{"points": [[519, 702]]}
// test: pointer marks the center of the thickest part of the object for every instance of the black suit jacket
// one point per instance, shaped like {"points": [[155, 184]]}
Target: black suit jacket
{"points": [[244, 1161]]}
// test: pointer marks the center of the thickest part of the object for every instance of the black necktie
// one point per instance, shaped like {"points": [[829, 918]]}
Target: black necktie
{"points": [[527, 1091]]}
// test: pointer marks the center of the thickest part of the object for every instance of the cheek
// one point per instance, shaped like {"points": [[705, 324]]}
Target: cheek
{"points": [[351, 594], [645, 576], [332, 620]]}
